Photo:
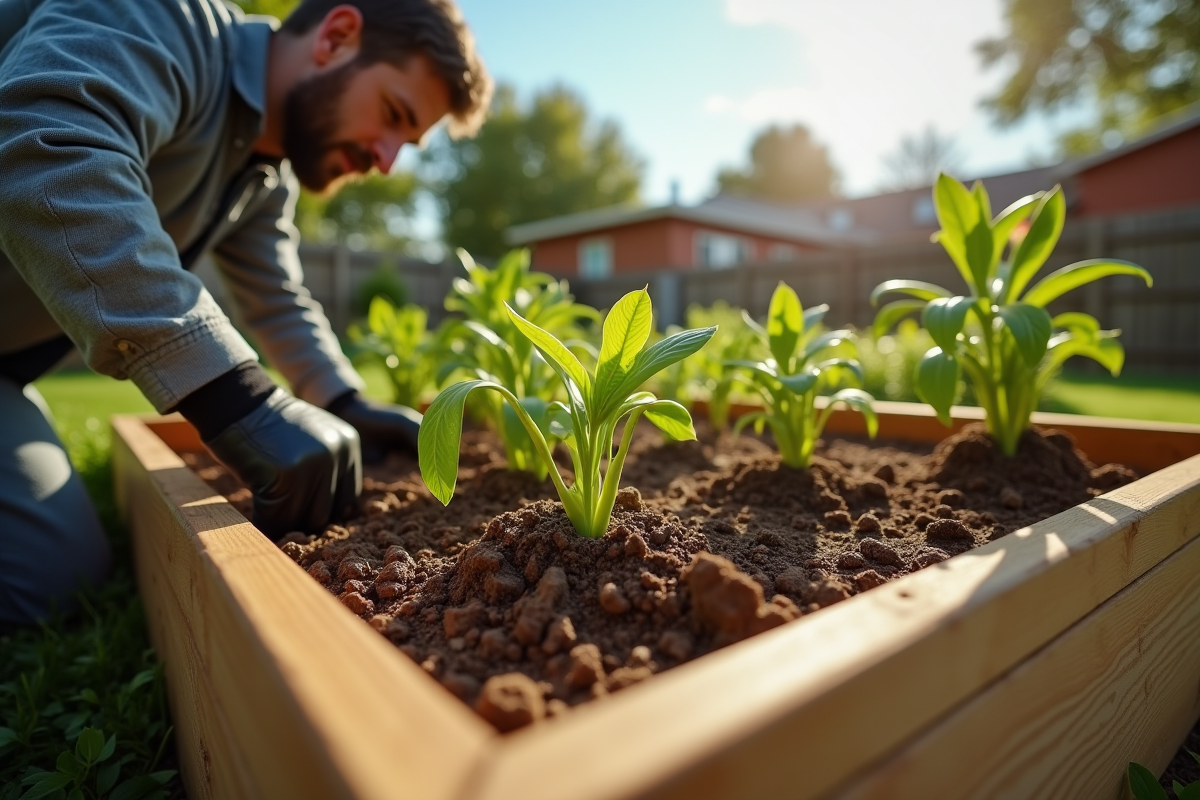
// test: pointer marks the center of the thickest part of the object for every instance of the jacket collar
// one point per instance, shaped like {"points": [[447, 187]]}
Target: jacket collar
{"points": [[252, 44]]}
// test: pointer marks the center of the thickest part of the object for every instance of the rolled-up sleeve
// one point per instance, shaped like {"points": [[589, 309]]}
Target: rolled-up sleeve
{"points": [[84, 104], [260, 266]]}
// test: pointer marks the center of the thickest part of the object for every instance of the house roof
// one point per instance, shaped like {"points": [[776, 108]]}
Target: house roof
{"points": [[749, 216], [1182, 120]]}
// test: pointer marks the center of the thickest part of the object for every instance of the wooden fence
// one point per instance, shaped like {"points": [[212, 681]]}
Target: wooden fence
{"points": [[1161, 325]]}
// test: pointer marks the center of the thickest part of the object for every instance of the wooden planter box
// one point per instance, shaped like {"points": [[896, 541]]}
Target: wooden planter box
{"points": [[1035, 666]]}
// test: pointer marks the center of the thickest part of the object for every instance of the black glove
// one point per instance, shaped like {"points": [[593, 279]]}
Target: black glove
{"points": [[381, 426], [302, 463]]}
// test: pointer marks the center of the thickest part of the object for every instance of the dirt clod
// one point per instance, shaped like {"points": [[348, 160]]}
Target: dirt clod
{"points": [[511, 701]]}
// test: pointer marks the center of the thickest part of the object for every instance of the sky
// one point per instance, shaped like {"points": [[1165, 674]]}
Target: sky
{"points": [[690, 82]]}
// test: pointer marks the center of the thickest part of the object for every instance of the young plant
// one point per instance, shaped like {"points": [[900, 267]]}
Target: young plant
{"points": [[1000, 333], [486, 344], [799, 370], [597, 402], [705, 373], [398, 339], [1145, 786]]}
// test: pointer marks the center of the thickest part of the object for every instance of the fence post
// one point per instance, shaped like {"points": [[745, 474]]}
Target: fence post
{"points": [[1094, 295], [849, 288], [667, 300], [340, 287]]}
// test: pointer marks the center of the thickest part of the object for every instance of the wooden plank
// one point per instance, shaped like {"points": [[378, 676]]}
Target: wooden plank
{"points": [[799, 710], [287, 693], [1120, 686]]}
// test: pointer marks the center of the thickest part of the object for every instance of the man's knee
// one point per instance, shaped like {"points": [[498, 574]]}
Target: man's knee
{"points": [[51, 542]]}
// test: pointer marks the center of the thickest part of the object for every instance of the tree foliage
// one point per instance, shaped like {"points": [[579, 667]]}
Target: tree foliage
{"points": [[372, 212], [529, 162], [786, 165], [919, 158], [1137, 59]]}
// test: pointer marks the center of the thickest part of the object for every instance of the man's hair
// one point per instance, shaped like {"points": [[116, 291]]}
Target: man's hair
{"points": [[395, 30]]}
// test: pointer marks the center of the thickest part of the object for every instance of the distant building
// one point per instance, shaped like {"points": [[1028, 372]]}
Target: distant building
{"points": [[1158, 172]]}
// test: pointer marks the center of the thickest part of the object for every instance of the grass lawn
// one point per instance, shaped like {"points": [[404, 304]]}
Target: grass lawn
{"points": [[1132, 396], [97, 670]]}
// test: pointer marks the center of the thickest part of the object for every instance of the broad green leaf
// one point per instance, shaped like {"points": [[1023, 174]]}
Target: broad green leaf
{"points": [[626, 329], [46, 783], [1044, 230], [8, 736], [135, 788], [658, 357], [1004, 225], [1076, 321], [861, 402], [89, 745], [937, 381], [1061, 281], [847, 364], [381, 314], [892, 313], [1030, 326], [813, 317], [822, 342], [672, 419], [918, 289], [982, 201], [107, 776], [557, 355], [1143, 783], [71, 765], [1107, 351], [958, 214], [800, 383], [785, 323], [439, 437], [944, 318], [980, 255], [1189, 792]]}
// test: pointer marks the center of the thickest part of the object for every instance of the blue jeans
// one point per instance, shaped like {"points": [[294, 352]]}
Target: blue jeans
{"points": [[51, 542]]}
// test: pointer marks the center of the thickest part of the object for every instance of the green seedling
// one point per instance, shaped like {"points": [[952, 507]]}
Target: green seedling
{"points": [[398, 339], [1000, 333], [705, 375], [486, 344], [598, 400], [1145, 786], [799, 370]]}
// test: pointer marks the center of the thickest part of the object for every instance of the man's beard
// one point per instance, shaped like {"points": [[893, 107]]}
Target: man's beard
{"points": [[310, 119]]}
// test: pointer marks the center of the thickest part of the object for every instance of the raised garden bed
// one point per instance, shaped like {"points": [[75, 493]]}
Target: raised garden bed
{"points": [[1036, 665]]}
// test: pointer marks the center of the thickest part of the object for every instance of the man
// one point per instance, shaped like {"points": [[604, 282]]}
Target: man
{"points": [[137, 135]]}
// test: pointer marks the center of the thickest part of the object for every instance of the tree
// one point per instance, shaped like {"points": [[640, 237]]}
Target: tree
{"points": [[372, 212], [528, 162], [1136, 60], [918, 159], [786, 165]]}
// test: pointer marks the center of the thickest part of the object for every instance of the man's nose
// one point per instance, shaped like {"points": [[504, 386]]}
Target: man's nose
{"points": [[385, 152]]}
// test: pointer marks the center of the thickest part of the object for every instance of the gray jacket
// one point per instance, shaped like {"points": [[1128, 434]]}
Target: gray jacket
{"points": [[126, 129]]}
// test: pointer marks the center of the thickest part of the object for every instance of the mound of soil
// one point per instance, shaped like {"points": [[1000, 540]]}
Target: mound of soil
{"points": [[499, 599]]}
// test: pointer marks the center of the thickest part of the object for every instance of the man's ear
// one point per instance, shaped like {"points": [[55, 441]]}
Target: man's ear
{"points": [[338, 36]]}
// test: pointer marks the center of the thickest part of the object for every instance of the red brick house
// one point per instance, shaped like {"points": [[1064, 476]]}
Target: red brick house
{"points": [[716, 234], [1158, 172]]}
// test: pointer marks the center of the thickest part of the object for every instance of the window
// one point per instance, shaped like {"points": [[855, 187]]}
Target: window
{"points": [[923, 212], [720, 250], [783, 252], [595, 259], [841, 220]]}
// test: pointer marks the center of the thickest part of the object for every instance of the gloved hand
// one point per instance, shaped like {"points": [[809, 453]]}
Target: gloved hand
{"points": [[302, 463], [381, 426]]}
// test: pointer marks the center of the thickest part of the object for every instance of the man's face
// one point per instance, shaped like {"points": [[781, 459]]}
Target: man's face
{"points": [[350, 118]]}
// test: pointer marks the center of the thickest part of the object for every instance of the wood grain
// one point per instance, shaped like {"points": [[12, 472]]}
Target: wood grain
{"points": [[1122, 685], [801, 709], [278, 690]]}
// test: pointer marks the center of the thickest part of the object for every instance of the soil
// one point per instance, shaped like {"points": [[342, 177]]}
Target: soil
{"points": [[1184, 767], [499, 599]]}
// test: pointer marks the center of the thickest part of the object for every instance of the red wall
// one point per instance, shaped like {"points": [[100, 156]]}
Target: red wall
{"points": [[644, 246], [1161, 175]]}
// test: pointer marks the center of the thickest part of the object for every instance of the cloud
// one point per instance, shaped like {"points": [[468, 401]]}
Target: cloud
{"points": [[870, 72]]}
